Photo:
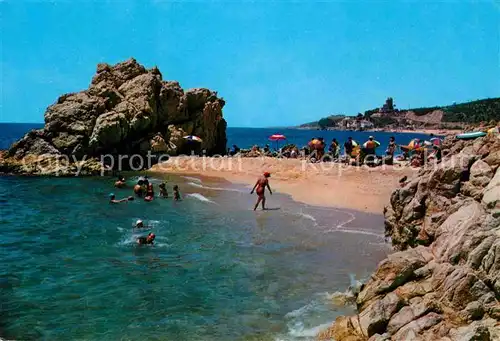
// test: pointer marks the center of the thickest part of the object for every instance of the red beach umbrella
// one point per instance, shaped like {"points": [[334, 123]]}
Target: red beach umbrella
{"points": [[277, 138]]}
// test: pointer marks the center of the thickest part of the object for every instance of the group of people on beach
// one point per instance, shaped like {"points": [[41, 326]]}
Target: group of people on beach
{"points": [[143, 189], [366, 153]]}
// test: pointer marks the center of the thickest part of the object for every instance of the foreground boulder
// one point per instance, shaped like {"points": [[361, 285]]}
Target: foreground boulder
{"points": [[127, 110], [444, 283]]}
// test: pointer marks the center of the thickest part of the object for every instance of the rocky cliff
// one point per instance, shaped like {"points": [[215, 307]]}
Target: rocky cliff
{"points": [[444, 283], [126, 110]]}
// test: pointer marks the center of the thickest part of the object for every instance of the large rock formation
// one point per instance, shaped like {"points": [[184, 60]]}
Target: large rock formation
{"points": [[126, 110], [444, 283]]}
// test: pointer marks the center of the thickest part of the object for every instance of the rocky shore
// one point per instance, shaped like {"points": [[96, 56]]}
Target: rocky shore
{"points": [[444, 282], [127, 110]]}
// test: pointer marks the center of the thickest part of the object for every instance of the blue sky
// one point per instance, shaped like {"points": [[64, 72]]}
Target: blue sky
{"points": [[275, 63]]}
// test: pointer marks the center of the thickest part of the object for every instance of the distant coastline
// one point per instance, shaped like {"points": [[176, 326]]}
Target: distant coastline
{"points": [[454, 117], [426, 131]]}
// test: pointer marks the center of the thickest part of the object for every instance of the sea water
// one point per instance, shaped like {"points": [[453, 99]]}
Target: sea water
{"points": [[248, 137], [71, 269]]}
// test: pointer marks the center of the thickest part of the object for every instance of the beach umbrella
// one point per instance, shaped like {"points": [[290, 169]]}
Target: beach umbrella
{"points": [[277, 138], [193, 138]]}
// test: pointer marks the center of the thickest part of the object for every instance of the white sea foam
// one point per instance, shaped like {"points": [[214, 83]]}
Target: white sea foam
{"points": [[299, 332], [214, 188], [191, 178], [307, 216], [300, 311], [162, 245], [306, 322], [200, 197], [352, 217], [129, 240], [356, 231], [153, 223]]}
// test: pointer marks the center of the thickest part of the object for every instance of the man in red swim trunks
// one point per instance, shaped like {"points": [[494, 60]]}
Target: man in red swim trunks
{"points": [[260, 188]]}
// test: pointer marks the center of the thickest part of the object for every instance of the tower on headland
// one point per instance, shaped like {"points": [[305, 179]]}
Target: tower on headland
{"points": [[388, 106]]}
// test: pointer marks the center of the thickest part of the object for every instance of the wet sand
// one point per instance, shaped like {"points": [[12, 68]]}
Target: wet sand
{"points": [[323, 184]]}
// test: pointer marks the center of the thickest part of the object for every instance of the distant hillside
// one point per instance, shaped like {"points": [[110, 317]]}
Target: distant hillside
{"points": [[329, 121], [484, 110]]}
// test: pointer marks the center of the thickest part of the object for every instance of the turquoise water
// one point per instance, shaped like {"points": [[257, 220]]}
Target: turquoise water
{"points": [[70, 268]]}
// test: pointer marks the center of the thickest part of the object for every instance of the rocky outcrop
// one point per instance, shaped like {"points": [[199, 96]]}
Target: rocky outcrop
{"points": [[444, 282], [126, 110]]}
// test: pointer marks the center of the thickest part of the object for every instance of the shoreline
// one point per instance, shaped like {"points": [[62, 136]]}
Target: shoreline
{"points": [[335, 186], [439, 132]]}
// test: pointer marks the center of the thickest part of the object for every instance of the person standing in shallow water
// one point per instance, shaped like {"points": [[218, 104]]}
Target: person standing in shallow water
{"points": [[177, 194], [120, 183], [260, 188], [163, 190], [150, 193]]}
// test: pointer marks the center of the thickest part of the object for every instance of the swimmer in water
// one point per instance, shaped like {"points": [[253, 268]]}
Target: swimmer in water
{"points": [[260, 188], [177, 194], [139, 224], [120, 183], [163, 190], [140, 187], [150, 193], [146, 240], [113, 200], [138, 190]]}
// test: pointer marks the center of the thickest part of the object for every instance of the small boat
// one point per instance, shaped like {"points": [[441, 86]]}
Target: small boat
{"points": [[471, 135]]}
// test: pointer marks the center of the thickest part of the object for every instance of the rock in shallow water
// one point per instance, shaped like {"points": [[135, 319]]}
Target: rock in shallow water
{"points": [[121, 112]]}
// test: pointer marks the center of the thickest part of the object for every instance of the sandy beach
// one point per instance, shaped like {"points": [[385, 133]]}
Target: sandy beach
{"points": [[323, 184], [440, 132]]}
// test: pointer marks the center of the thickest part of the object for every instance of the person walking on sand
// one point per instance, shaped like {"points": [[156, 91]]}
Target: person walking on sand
{"points": [[260, 188]]}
